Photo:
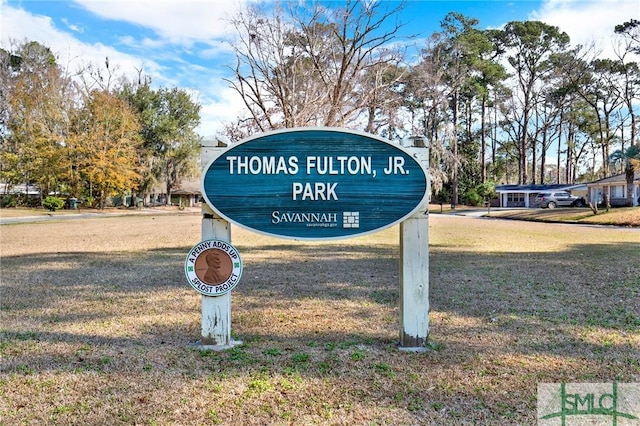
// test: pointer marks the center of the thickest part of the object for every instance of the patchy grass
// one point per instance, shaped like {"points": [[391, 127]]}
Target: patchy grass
{"points": [[98, 321], [619, 216], [13, 212]]}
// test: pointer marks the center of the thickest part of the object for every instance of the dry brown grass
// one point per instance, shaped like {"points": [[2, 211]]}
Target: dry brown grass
{"points": [[619, 216], [97, 323]]}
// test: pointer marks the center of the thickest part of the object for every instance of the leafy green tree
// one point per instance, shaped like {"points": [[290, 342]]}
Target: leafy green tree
{"points": [[461, 60], [35, 102], [170, 145], [631, 31], [487, 190], [144, 102], [451, 53], [528, 46]]}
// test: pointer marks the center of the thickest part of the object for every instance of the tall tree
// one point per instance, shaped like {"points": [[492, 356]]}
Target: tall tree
{"points": [[499, 98], [426, 101], [143, 99], [490, 76], [168, 119], [547, 113], [107, 129], [630, 32], [35, 103], [528, 46], [451, 53], [304, 64], [466, 57], [599, 85]]}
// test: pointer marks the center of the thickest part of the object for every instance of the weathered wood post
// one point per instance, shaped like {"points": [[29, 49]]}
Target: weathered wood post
{"points": [[414, 266], [216, 310]]}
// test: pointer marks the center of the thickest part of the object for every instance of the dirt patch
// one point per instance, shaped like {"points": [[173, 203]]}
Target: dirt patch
{"points": [[97, 323]]}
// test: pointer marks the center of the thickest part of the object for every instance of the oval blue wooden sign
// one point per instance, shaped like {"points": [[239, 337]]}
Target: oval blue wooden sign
{"points": [[315, 183]]}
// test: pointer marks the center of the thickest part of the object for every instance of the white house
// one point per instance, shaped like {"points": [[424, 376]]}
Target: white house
{"points": [[524, 195]]}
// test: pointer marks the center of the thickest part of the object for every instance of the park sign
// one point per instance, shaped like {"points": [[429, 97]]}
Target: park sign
{"points": [[315, 183]]}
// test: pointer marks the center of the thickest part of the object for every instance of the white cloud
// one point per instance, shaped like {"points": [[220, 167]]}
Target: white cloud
{"points": [[225, 107], [590, 21], [71, 26], [19, 25], [177, 22]]}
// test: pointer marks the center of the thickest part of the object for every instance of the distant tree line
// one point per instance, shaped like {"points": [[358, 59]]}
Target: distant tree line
{"points": [[90, 133], [492, 103]]}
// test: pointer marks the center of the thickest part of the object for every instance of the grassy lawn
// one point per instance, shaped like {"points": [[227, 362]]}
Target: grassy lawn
{"points": [[13, 212], [619, 216], [97, 324]]}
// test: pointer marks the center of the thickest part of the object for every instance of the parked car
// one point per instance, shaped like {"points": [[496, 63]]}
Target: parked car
{"points": [[558, 198]]}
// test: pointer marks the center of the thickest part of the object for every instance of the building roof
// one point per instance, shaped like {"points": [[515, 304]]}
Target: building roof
{"points": [[619, 178], [18, 189], [188, 187], [537, 188]]}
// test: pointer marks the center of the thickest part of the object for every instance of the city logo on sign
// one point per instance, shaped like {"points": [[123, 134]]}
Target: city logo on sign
{"points": [[213, 267]]}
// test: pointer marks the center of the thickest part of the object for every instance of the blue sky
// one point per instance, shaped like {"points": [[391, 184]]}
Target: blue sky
{"points": [[183, 43]]}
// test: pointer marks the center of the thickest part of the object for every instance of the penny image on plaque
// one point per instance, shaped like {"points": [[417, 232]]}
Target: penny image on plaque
{"points": [[213, 267]]}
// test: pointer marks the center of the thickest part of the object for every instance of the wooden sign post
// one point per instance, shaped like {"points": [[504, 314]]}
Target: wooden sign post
{"points": [[321, 184], [216, 310], [414, 269]]}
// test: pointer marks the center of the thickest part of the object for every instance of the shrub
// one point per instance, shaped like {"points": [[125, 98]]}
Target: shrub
{"points": [[18, 200], [473, 198], [9, 200], [53, 203]]}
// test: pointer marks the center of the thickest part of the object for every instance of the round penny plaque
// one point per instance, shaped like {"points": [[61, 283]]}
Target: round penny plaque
{"points": [[213, 267]]}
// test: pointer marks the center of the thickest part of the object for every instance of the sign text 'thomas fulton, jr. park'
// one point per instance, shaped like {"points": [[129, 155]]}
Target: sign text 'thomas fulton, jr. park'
{"points": [[315, 183]]}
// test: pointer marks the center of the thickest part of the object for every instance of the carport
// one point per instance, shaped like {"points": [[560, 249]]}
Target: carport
{"points": [[523, 195]]}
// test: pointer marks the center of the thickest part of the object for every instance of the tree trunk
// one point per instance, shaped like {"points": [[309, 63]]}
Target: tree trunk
{"points": [[559, 148], [371, 119], [543, 156], [168, 200], [454, 196], [483, 140], [534, 159], [629, 172], [494, 139], [524, 145]]}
